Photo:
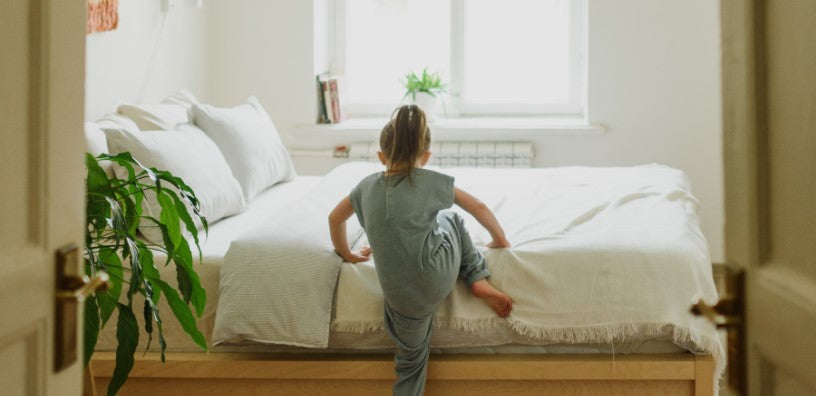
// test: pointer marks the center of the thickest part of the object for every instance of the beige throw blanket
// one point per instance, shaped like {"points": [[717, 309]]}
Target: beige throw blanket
{"points": [[600, 255]]}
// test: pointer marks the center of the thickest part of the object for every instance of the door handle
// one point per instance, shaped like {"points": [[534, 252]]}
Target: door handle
{"points": [[79, 288], [72, 288], [729, 313], [722, 314]]}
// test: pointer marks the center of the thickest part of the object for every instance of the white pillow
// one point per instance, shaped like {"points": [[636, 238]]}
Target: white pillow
{"points": [[182, 97], [162, 116], [193, 157], [250, 143], [96, 143], [113, 121]]}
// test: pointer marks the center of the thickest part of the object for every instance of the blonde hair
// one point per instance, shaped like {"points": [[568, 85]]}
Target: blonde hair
{"points": [[405, 138]]}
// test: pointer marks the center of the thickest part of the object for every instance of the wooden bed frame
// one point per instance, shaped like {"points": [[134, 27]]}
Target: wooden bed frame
{"points": [[226, 373]]}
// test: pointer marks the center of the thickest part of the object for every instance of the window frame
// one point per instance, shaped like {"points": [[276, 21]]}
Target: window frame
{"points": [[455, 106]]}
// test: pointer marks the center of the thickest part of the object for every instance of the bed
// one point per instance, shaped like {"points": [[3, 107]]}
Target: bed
{"points": [[608, 235]]}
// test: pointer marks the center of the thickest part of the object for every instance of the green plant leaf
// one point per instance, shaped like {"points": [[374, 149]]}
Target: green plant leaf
{"points": [[169, 217], [188, 281], [135, 265], [110, 263], [185, 285], [182, 313], [151, 274], [106, 260], [91, 328], [185, 217], [152, 294], [127, 334], [106, 306], [168, 243], [147, 313], [93, 168], [131, 211], [117, 219]]}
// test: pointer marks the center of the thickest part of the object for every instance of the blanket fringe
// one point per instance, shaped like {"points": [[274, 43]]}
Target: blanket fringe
{"points": [[358, 326], [606, 333]]}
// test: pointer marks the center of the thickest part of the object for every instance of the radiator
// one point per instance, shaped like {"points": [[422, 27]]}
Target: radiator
{"points": [[462, 154]]}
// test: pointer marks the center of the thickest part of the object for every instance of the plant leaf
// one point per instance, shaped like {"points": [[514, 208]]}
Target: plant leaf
{"points": [[106, 306], [182, 313], [135, 265], [110, 262], [168, 243], [147, 313], [127, 334], [152, 294], [185, 285], [185, 217], [169, 217], [189, 282], [91, 328]]}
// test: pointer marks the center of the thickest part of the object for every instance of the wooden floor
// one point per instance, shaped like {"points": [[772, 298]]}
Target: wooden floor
{"points": [[291, 374]]}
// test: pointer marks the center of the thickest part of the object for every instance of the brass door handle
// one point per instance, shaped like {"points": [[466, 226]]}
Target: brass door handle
{"points": [[722, 314], [79, 288]]}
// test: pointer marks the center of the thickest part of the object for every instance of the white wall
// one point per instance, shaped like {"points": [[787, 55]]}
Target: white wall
{"points": [[654, 82], [117, 61]]}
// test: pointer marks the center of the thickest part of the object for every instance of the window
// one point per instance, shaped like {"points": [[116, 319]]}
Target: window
{"points": [[508, 57]]}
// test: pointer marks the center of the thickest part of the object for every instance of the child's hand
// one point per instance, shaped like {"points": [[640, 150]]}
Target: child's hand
{"points": [[358, 256], [499, 243]]}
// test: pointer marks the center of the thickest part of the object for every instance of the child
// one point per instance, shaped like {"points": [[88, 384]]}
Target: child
{"points": [[420, 247]]}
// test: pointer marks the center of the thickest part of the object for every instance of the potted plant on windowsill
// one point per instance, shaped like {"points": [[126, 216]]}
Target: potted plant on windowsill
{"points": [[425, 90], [113, 216]]}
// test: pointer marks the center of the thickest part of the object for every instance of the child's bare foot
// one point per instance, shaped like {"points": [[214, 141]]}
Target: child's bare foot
{"points": [[498, 301]]}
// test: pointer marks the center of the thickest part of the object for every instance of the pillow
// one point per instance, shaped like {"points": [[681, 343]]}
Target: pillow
{"points": [[182, 97], [113, 121], [250, 143], [149, 117], [96, 143], [190, 155], [95, 135]]}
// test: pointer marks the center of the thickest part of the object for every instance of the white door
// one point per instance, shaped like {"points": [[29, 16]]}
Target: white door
{"points": [[42, 51], [769, 96]]}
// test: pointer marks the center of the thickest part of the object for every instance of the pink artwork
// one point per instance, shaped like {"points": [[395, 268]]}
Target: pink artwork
{"points": [[102, 15]]}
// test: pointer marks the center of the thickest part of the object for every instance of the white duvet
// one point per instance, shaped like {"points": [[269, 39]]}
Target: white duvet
{"points": [[600, 255]]}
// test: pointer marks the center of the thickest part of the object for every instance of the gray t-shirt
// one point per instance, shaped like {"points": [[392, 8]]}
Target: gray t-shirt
{"points": [[399, 215]]}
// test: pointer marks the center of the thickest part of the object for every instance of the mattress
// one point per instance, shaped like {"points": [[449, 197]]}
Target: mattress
{"points": [[443, 341]]}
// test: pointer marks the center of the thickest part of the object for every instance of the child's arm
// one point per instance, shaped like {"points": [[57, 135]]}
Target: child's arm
{"points": [[483, 215], [337, 226]]}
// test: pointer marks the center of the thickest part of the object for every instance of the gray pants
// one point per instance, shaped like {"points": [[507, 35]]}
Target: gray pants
{"points": [[457, 257]]}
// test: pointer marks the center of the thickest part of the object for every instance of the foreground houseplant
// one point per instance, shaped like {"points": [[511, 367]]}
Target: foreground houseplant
{"points": [[425, 90], [113, 216]]}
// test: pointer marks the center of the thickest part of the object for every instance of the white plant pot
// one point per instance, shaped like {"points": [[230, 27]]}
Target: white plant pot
{"points": [[428, 104]]}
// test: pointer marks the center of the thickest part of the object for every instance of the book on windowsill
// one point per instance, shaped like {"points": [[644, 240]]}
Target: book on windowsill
{"points": [[322, 116], [331, 105]]}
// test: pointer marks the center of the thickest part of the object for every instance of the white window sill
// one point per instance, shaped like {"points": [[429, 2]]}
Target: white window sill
{"points": [[466, 127]]}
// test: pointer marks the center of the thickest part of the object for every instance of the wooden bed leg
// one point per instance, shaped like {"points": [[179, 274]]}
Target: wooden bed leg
{"points": [[703, 375], [88, 384]]}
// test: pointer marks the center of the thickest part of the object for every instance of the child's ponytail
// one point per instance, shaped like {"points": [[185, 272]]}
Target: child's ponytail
{"points": [[405, 138]]}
